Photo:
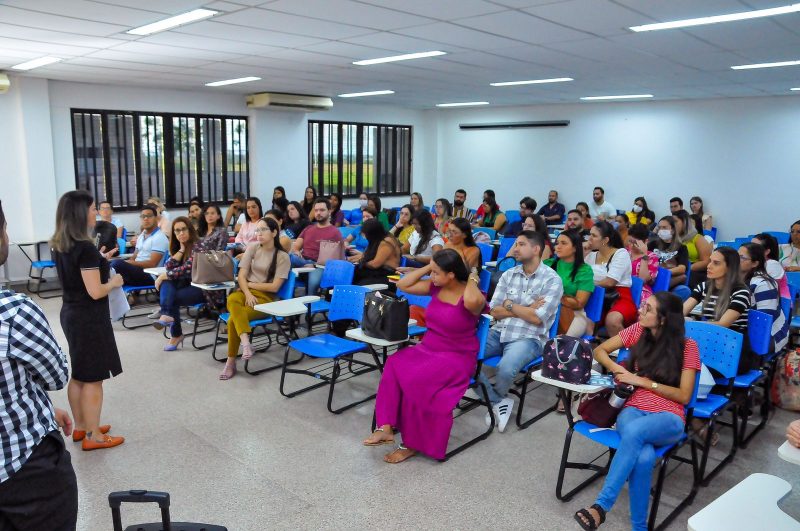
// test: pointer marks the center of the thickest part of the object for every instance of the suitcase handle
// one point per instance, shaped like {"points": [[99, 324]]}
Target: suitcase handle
{"points": [[115, 499]]}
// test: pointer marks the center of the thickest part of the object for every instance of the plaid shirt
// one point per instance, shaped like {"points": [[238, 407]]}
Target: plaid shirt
{"points": [[31, 363], [522, 289]]}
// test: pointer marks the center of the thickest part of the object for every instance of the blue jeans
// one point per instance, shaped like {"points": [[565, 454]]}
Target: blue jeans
{"points": [[172, 298], [640, 432], [313, 278], [516, 354]]}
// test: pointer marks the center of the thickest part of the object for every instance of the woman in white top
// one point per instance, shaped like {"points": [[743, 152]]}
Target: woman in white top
{"points": [[611, 266], [423, 242], [790, 252], [248, 226], [696, 204]]}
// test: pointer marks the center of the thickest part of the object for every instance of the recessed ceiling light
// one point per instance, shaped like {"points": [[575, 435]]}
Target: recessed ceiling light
{"points": [[532, 82], [232, 81], [744, 15], [370, 93], [620, 97], [463, 104], [36, 63], [172, 22], [404, 57], [766, 65], [796, 88]]}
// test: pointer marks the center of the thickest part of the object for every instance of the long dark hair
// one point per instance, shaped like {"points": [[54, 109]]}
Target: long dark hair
{"points": [[375, 233], [71, 220], [300, 212], [731, 281], [464, 226], [338, 197], [675, 244], [308, 205], [576, 239], [450, 261], [421, 202], [540, 226], [273, 227], [757, 254], [396, 232], [770, 245], [423, 217], [375, 201], [174, 244], [257, 201], [607, 230], [659, 356], [697, 198], [280, 203], [646, 212], [202, 224], [448, 208]]}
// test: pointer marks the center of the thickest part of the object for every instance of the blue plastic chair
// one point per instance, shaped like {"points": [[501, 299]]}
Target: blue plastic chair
{"points": [[712, 233], [720, 349], [336, 272], [637, 284], [356, 216], [793, 279], [415, 300], [486, 252], [505, 246], [512, 216], [781, 237], [506, 264], [485, 280], [661, 283], [594, 308], [727, 244], [491, 232], [347, 231], [347, 303]]}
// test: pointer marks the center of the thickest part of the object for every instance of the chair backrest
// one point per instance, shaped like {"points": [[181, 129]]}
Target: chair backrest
{"points": [[720, 348], [505, 246], [688, 275], [337, 272], [793, 279], [485, 278], [122, 244], [637, 284], [484, 324], [415, 300], [486, 252], [505, 265], [512, 216], [347, 231], [594, 306], [759, 331], [738, 242], [782, 237], [554, 327], [727, 244], [711, 233], [356, 216], [786, 306], [347, 302], [662, 280], [287, 289], [491, 232]]}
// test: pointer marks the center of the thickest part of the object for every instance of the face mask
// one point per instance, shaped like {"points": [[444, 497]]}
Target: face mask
{"points": [[665, 235], [636, 209], [458, 203], [363, 202]]}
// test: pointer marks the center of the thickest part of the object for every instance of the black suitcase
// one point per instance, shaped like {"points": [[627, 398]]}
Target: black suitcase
{"points": [[115, 499]]}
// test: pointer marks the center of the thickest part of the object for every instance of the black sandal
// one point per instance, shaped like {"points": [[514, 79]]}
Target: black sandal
{"points": [[592, 524]]}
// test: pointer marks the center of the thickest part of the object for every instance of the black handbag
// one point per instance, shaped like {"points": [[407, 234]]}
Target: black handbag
{"points": [[385, 317]]}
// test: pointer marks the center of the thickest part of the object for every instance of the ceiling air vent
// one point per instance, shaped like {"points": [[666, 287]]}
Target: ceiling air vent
{"points": [[514, 125]]}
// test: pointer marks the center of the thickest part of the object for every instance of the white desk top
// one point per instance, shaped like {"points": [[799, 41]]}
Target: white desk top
{"points": [[789, 453], [288, 307], [493, 263], [358, 335], [577, 388], [123, 256], [751, 504], [214, 287], [301, 270], [155, 271]]}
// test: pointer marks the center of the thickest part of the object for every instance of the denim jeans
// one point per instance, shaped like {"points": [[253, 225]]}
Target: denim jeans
{"points": [[172, 298], [313, 278], [639, 432], [516, 354]]}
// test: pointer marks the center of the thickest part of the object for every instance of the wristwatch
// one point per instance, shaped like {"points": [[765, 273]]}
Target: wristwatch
{"points": [[653, 385], [509, 305]]}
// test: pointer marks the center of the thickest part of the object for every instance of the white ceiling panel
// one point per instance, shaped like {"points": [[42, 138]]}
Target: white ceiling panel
{"points": [[440, 9], [599, 17], [354, 52], [401, 43], [523, 27], [45, 36], [244, 34], [170, 38], [124, 65], [156, 59], [33, 19], [665, 11], [446, 33], [275, 21], [169, 7], [274, 62], [665, 44], [349, 12], [524, 3], [43, 48], [87, 10], [746, 34], [175, 51]]}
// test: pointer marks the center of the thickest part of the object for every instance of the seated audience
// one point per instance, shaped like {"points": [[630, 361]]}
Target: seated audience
{"points": [[725, 299], [772, 266], [696, 245], [423, 242], [375, 202], [337, 216], [295, 221], [278, 193], [163, 215], [524, 306], [175, 285], [422, 384], [553, 211], [380, 259], [527, 207], [492, 217], [212, 236], [696, 204], [790, 252], [235, 210], [575, 220], [416, 201], [644, 263], [578, 281], [305, 249], [195, 211], [583, 208], [262, 270], [764, 290], [536, 223], [662, 366], [623, 225], [640, 213], [460, 208], [403, 229], [247, 223], [106, 213], [675, 204], [443, 214], [356, 238], [611, 267], [480, 212], [600, 209], [309, 197], [672, 255], [151, 246], [459, 238]]}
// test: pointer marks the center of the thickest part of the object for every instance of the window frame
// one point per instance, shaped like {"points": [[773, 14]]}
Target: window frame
{"points": [[359, 157], [168, 194]]}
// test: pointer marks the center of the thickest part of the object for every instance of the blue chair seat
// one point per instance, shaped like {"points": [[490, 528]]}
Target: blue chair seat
{"points": [[743, 380], [611, 438], [704, 409], [320, 306], [416, 330], [128, 289], [795, 322], [42, 264], [327, 346]]}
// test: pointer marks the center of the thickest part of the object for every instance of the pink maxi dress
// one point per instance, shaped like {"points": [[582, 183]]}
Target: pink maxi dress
{"points": [[421, 385]]}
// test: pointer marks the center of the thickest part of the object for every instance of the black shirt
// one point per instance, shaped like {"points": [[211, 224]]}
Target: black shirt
{"points": [[83, 256]]}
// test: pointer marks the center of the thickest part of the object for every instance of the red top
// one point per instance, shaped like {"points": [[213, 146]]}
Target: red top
{"points": [[647, 400]]}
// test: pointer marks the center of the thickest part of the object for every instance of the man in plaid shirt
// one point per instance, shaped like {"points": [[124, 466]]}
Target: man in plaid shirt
{"points": [[524, 306], [37, 482]]}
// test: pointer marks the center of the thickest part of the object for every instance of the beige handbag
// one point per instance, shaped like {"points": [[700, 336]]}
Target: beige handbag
{"points": [[330, 250], [212, 267]]}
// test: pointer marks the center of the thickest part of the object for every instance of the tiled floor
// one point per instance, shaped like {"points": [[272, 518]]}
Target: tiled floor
{"points": [[239, 454]]}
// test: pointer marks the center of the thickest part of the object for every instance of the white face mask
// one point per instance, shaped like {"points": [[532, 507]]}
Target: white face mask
{"points": [[636, 209], [363, 202], [665, 235]]}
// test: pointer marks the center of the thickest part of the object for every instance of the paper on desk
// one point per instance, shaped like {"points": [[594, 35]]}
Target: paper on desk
{"points": [[117, 301]]}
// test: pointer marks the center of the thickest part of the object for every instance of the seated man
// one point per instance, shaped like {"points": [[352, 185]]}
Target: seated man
{"points": [[151, 247], [106, 213], [527, 206], [305, 249], [524, 306], [553, 211], [599, 208]]}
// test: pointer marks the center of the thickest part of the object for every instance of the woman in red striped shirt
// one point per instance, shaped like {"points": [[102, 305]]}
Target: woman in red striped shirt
{"points": [[664, 365]]}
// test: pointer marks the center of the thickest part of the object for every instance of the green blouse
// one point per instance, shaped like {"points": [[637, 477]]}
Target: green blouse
{"points": [[584, 280]]}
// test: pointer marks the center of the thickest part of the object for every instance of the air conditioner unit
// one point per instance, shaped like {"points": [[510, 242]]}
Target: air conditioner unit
{"points": [[5, 83], [295, 102]]}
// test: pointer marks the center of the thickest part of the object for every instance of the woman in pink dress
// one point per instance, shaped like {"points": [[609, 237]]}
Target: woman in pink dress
{"points": [[421, 385]]}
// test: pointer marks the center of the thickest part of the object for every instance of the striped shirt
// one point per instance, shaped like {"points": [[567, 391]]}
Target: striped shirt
{"points": [[516, 286], [31, 363], [766, 299], [739, 302], [645, 399]]}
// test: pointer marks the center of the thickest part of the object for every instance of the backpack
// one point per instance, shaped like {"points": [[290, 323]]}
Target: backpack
{"points": [[786, 385], [567, 359]]}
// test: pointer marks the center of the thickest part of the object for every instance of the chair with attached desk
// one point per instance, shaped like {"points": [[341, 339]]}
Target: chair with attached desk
{"points": [[41, 266], [486, 252], [505, 246], [336, 272], [148, 291]]}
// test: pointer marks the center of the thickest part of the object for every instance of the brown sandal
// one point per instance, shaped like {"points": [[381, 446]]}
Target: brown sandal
{"points": [[401, 452], [379, 442]]}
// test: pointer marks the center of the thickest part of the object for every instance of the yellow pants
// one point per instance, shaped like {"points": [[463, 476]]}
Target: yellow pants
{"points": [[240, 317]]}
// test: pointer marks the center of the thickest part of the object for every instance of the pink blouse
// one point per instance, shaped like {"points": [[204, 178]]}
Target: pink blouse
{"points": [[652, 267]]}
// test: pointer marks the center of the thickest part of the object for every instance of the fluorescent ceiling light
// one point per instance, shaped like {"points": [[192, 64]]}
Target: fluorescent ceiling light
{"points": [[796, 88], [36, 63], [744, 15], [371, 93], [463, 104], [172, 22], [393, 58], [620, 97], [532, 82], [232, 81], [766, 65]]}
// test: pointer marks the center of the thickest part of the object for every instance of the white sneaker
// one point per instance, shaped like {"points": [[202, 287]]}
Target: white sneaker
{"points": [[155, 314], [503, 411]]}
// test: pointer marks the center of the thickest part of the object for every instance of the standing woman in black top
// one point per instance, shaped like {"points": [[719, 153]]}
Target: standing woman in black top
{"points": [[85, 317]]}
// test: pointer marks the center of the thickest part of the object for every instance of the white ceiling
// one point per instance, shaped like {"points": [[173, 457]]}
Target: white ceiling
{"points": [[308, 46]]}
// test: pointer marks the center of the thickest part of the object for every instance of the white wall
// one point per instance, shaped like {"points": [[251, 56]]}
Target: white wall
{"points": [[740, 155]]}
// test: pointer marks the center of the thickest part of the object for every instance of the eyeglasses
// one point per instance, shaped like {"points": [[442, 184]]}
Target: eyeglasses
{"points": [[180, 231], [146, 216], [744, 258]]}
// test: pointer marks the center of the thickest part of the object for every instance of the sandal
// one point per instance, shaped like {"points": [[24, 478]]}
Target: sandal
{"points": [[700, 435], [379, 442], [247, 352], [590, 524], [228, 372], [400, 454]]}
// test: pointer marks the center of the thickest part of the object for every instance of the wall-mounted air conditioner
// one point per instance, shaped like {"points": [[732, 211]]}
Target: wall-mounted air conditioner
{"points": [[295, 102], [5, 83]]}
